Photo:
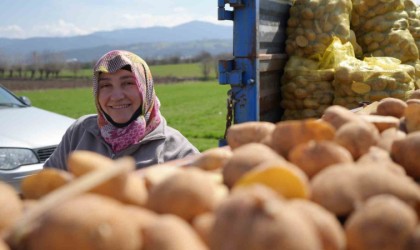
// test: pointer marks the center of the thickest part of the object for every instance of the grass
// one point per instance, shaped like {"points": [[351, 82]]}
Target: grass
{"points": [[179, 70], [70, 102], [196, 109]]}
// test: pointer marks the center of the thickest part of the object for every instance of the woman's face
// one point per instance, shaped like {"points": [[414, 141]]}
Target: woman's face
{"points": [[118, 95]]}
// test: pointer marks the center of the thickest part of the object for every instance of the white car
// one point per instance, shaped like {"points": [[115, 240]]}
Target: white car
{"points": [[28, 136]]}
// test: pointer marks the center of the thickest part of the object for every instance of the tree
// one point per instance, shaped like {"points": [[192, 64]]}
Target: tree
{"points": [[206, 67], [15, 64], [3, 64], [34, 64], [54, 63], [206, 62], [74, 66]]}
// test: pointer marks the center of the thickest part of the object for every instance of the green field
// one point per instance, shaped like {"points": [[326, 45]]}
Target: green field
{"points": [[181, 70], [196, 109]]}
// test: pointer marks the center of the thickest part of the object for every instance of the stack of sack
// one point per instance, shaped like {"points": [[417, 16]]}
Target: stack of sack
{"points": [[373, 79], [370, 46]]}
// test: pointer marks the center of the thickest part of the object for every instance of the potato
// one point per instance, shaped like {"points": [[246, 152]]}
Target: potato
{"points": [[216, 176], [153, 175], [203, 225], [388, 136], [186, 194], [357, 137], [382, 122], [380, 158], [314, 156], [412, 116], [127, 188], [391, 107], [409, 101], [41, 183], [285, 178], [213, 158], [245, 158], [253, 131], [140, 215], [382, 222], [29, 204], [254, 217], [3, 245], [405, 152], [82, 162], [169, 232], [88, 221], [11, 207], [338, 115], [289, 134], [366, 109], [326, 224], [134, 191], [342, 187], [415, 94], [413, 242]]}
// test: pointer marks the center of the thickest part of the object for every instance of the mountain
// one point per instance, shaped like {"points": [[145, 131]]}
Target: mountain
{"points": [[183, 40], [156, 50], [191, 31]]}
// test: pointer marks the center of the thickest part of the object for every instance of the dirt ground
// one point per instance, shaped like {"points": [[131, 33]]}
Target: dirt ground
{"points": [[14, 85], [23, 84]]}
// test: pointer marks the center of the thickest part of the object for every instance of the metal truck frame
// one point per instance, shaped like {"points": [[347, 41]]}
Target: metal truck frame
{"points": [[254, 72]]}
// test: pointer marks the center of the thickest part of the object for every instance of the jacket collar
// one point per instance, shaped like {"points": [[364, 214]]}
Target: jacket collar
{"points": [[91, 125]]}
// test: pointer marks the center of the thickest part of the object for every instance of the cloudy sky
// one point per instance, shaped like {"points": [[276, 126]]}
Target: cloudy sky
{"points": [[29, 18]]}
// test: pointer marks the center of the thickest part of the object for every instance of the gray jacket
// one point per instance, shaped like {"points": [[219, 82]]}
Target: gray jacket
{"points": [[161, 145]]}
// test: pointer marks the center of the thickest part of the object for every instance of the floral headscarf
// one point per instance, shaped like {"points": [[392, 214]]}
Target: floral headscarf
{"points": [[120, 138]]}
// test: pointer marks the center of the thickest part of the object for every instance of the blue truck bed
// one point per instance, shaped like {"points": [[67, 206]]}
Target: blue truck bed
{"points": [[254, 72]]}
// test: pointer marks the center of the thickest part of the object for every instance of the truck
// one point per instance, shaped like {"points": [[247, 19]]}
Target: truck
{"points": [[259, 52], [255, 71]]}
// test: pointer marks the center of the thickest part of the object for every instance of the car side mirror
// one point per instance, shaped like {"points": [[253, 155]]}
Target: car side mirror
{"points": [[25, 100]]}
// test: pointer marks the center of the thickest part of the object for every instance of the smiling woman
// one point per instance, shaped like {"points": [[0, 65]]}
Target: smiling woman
{"points": [[128, 119], [119, 97]]}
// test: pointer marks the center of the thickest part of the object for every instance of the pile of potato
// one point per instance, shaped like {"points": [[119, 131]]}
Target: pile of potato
{"points": [[382, 61], [349, 180], [413, 12], [374, 27], [357, 81], [313, 23], [104, 204], [413, 21], [306, 91], [383, 29]]}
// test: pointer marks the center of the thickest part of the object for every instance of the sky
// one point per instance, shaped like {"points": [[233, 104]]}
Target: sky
{"points": [[45, 18]]}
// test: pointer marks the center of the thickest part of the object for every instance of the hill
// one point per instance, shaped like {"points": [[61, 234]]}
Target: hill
{"points": [[156, 50], [183, 40]]}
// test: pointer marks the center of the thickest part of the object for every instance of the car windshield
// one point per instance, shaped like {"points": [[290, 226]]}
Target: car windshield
{"points": [[7, 99]]}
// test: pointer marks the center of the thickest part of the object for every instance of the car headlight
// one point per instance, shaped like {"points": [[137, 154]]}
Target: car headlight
{"points": [[11, 158]]}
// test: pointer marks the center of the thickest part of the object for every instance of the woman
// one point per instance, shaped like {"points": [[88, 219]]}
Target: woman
{"points": [[128, 120]]}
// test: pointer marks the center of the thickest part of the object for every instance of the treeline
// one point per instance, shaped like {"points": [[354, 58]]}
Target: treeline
{"points": [[47, 65]]}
